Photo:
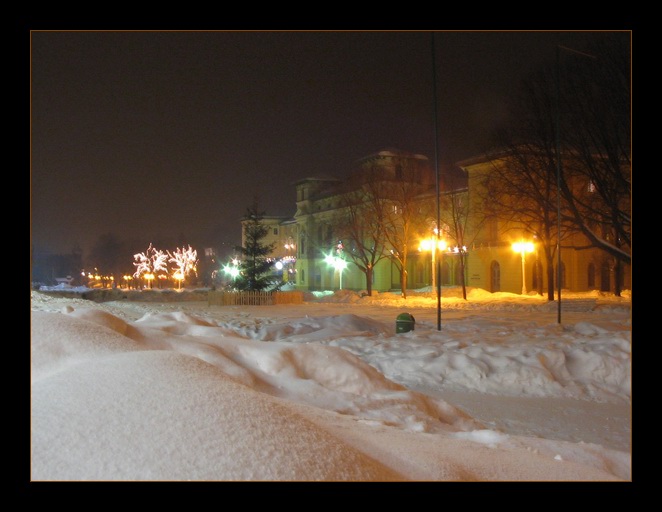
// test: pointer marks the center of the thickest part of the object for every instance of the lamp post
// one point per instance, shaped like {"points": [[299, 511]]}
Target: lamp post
{"points": [[337, 263], [232, 268], [559, 166], [428, 244], [436, 171], [522, 248]]}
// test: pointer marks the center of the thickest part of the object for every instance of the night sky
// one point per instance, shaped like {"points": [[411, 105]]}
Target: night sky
{"points": [[152, 135]]}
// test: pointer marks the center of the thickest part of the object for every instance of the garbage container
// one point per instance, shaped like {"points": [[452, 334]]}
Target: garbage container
{"points": [[404, 323]]}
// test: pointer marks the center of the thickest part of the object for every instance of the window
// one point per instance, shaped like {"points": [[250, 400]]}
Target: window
{"points": [[445, 273], [556, 277], [495, 277], [605, 277], [537, 279], [458, 274], [275, 231], [591, 275]]}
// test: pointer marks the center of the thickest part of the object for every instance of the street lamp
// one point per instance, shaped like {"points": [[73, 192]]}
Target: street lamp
{"points": [[522, 248], [337, 263], [232, 269], [559, 165], [427, 244]]}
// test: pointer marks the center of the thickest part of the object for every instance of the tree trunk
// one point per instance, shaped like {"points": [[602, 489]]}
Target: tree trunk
{"points": [[403, 279], [618, 271], [464, 283], [368, 280], [550, 275]]}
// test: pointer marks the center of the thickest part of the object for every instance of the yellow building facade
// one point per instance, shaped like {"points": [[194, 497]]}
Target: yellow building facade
{"points": [[304, 242], [495, 263]]}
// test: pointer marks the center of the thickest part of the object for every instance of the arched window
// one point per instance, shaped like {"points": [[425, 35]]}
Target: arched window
{"points": [[495, 277], [458, 274], [537, 280], [445, 273], [591, 275], [605, 276], [563, 285]]}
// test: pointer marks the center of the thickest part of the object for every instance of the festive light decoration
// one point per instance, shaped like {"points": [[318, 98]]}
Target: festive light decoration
{"points": [[186, 261], [150, 262]]}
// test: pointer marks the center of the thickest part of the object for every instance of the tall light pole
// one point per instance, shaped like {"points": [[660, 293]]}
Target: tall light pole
{"points": [[338, 264], [559, 272], [522, 248], [433, 245], [558, 181], [438, 188]]}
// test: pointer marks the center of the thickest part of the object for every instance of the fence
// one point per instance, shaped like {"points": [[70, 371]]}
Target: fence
{"points": [[253, 298]]}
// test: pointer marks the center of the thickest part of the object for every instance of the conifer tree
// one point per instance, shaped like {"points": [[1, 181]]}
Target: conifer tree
{"points": [[255, 267]]}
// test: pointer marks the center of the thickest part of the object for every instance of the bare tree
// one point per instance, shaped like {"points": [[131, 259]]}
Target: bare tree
{"points": [[395, 183], [595, 109], [359, 223], [149, 262], [520, 189], [185, 260], [455, 215], [571, 134]]}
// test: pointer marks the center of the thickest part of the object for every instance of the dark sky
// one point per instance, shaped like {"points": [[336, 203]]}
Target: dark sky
{"points": [[157, 135]]}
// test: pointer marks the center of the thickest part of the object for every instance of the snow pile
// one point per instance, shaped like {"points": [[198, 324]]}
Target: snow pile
{"points": [[145, 391]]}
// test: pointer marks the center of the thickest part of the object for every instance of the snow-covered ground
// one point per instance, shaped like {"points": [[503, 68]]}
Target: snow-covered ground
{"points": [[327, 390]]}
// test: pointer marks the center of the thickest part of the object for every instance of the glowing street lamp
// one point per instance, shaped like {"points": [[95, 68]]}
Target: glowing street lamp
{"points": [[179, 277], [428, 244], [522, 248], [149, 277], [233, 269], [337, 263]]}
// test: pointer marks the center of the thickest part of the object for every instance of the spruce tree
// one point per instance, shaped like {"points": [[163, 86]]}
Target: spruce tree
{"points": [[255, 268]]}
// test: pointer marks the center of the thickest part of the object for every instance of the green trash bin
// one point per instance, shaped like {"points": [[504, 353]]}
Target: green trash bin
{"points": [[404, 323]]}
